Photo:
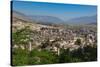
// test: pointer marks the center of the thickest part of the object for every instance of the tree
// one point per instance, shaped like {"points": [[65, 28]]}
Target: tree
{"points": [[41, 57], [19, 57], [21, 37], [90, 53], [78, 42], [45, 43]]}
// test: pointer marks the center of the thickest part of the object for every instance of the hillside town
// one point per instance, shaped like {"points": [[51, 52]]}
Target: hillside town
{"points": [[52, 33], [54, 38]]}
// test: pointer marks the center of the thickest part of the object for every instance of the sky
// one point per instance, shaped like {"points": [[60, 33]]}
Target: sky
{"points": [[62, 11]]}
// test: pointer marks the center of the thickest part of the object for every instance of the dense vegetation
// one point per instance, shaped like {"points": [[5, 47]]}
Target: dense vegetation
{"points": [[25, 57]]}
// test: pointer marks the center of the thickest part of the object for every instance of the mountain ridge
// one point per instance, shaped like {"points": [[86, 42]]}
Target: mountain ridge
{"points": [[48, 20]]}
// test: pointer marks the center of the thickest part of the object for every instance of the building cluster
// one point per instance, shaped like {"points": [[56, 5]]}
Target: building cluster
{"points": [[55, 38]]}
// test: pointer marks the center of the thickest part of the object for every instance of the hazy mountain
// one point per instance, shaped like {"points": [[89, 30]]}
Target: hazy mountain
{"points": [[20, 15], [46, 19], [55, 20], [94, 23], [37, 18], [84, 20]]}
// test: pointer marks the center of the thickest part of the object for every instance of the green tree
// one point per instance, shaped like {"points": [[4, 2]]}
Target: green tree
{"points": [[78, 42], [21, 37], [42, 57], [19, 57]]}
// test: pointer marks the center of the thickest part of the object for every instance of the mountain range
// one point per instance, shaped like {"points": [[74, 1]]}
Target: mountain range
{"points": [[84, 20], [38, 18], [55, 20]]}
